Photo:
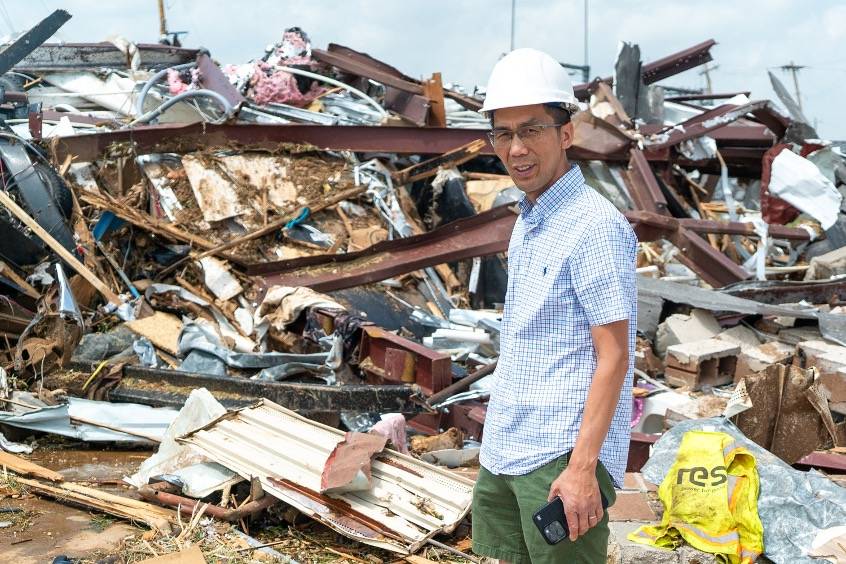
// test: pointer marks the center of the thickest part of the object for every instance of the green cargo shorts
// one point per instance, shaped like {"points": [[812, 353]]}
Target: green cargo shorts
{"points": [[502, 518]]}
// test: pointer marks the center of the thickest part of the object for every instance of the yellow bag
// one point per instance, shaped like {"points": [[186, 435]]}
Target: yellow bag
{"points": [[710, 499]]}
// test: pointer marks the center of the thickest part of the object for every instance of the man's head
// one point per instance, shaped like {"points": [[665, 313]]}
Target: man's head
{"points": [[529, 101]]}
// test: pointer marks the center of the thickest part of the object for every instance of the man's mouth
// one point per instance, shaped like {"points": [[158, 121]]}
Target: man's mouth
{"points": [[523, 171]]}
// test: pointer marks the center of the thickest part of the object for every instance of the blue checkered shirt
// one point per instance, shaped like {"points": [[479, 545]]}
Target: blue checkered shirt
{"points": [[571, 266]]}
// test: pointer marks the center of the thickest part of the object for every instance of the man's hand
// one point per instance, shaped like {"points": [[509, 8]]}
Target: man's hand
{"points": [[579, 491]]}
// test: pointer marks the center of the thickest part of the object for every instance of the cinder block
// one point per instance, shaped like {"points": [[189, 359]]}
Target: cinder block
{"points": [[811, 351], [678, 328], [755, 359], [709, 362]]}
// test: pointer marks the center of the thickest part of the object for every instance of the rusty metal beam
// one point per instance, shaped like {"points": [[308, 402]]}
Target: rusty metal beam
{"points": [[199, 136], [711, 265], [650, 226], [430, 167], [662, 68], [362, 64], [483, 234], [393, 358], [703, 124], [643, 186]]}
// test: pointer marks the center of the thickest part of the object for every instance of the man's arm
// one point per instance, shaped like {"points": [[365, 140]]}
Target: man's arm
{"points": [[577, 486]]}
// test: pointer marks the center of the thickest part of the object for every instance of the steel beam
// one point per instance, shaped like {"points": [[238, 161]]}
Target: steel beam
{"points": [[662, 68], [483, 234], [643, 186]]}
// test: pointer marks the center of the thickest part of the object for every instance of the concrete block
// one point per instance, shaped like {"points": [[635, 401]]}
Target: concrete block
{"points": [[831, 363], [836, 385], [825, 266], [742, 336], [812, 351], [632, 506], [709, 362], [796, 335], [678, 328], [755, 359]]}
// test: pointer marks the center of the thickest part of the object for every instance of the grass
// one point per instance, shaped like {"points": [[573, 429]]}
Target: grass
{"points": [[100, 521]]}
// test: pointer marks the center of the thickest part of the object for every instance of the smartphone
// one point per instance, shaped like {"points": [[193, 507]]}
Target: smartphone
{"points": [[551, 521]]}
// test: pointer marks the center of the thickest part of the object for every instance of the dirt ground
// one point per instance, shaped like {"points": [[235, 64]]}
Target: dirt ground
{"points": [[44, 529]]}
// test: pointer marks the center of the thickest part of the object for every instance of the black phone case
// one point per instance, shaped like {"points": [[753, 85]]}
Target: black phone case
{"points": [[551, 521]]}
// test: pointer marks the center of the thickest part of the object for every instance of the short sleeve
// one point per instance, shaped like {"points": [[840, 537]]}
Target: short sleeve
{"points": [[602, 271]]}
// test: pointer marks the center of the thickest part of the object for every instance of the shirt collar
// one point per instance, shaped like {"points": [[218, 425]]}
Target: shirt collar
{"points": [[552, 197]]}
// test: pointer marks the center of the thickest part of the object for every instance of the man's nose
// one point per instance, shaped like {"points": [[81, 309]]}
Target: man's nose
{"points": [[518, 148]]}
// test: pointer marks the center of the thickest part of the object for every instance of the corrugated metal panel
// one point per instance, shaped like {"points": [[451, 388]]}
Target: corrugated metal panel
{"points": [[410, 500]]}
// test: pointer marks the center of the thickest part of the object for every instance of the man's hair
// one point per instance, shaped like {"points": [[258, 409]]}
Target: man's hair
{"points": [[558, 113]]}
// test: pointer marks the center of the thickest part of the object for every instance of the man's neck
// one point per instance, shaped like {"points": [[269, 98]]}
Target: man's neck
{"points": [[533, 196]]}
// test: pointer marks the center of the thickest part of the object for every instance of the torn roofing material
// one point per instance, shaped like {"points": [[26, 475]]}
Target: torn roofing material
{"points": [[410, 500]]}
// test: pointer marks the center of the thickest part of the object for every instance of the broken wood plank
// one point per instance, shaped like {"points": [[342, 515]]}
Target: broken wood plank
{"points": [[126, 508], [430, 167], [161, 328], [26, 468], [7, 271], [266, 230], [57, 247], [145, 221]]}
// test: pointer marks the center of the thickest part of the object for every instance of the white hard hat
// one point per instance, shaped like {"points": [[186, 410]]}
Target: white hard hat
{"points": [[527, 76]]}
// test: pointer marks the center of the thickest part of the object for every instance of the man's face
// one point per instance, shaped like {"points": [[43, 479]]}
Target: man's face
{"points": [[533, 163]]}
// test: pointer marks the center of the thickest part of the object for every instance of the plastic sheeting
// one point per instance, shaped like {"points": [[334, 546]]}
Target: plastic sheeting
{"points": [[794, 506], [799, 182]]}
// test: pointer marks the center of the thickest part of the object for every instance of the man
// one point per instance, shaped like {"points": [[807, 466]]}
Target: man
{"points": [[558, 419]]}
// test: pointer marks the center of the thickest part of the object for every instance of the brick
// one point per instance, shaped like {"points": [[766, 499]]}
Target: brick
{"points": [[709, 362], [678, 328]]}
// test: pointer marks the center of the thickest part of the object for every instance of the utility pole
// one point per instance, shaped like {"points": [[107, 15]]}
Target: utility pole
{"points": [[586, 71], [513, 12], [794, 69], [162, 21], [706, 71]]}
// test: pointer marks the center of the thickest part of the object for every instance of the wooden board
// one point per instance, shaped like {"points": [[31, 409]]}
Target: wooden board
{"points": [[191, 555], [161, 328], [26, 468], [127, 508]]}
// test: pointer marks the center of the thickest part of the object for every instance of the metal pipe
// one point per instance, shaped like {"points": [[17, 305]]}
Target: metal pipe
{"points": [[337, 83], [227, 107], [139, 104], [155, 492]]}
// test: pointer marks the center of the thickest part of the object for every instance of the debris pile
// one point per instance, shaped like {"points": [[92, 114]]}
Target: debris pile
{"points": [[209, 260]]}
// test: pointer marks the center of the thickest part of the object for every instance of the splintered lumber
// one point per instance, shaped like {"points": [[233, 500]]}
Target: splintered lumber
{"points": [[66, 255], [6, 271], [153, 516], [425, 169], [145, 221], [269, 228], [24, 467]]}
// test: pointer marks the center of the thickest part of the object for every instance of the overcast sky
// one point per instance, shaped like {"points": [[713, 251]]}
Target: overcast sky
{"points": [[463, 39]]}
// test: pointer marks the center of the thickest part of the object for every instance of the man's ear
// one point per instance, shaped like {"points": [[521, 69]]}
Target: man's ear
{"points": [[567, 135]]}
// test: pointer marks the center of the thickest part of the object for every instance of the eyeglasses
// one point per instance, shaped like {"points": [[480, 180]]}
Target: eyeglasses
{"points": [[502, 138]]}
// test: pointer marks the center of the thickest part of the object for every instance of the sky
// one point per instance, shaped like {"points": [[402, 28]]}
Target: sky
{"points": [[463, 39]]}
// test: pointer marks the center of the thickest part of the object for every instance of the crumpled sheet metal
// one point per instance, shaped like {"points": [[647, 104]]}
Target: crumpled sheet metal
{"points": [[794, 506], [410, 501], [275, 365], [143, 419]]}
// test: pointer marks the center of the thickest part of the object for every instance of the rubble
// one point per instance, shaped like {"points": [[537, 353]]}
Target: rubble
{"points": [[316, 229]]}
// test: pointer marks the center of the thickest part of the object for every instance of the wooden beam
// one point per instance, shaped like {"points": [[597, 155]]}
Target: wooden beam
{"points": [[24, 467], [9, 273], [57, 247]]}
